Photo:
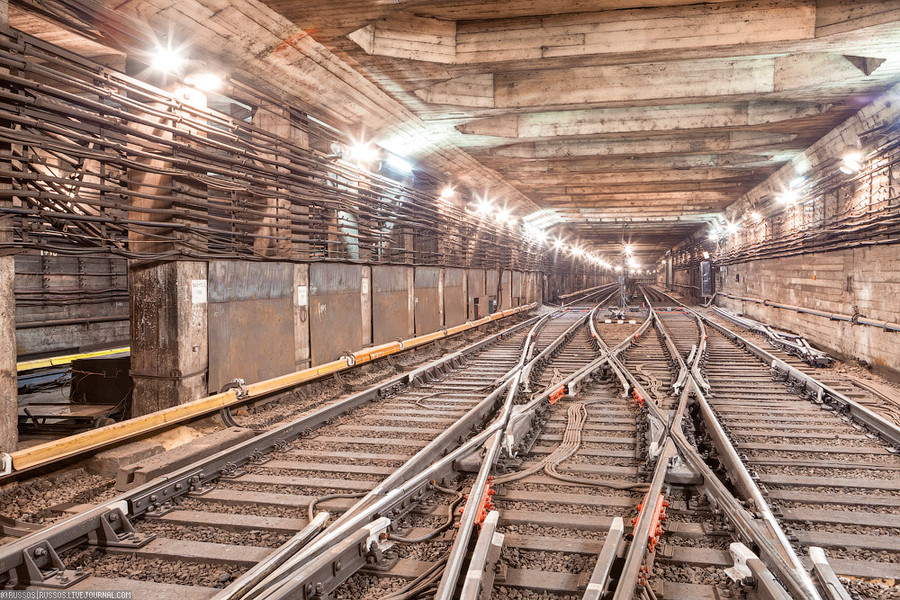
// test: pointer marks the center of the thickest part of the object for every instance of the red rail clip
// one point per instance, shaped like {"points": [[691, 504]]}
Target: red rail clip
{"points": [[659, 515], [638, 397], [556, 394], [485, 505]]}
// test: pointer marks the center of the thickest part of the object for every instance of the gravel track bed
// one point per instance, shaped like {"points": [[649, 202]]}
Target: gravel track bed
{"points": [[837, 491], [363, 585], [262, 510], [317, 474], [506, 593], [315, 492], [431, 551], [690, 574], [30, 500], [719, 542], [570, 489], [874, 458], [826, 472], [313, 444], [868, 590], [884, 510], [99, 564], [541, 530], [607, 446], [413, 519], [345, 460], [612, 461], [863, 554], [200, 533], [742, 438], [387, 435], [559, 562], [569, 509]]}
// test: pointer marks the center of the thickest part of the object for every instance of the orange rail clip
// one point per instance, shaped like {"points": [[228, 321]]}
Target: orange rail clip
{"points": [[659, 515], [485, 505], [637, 396], [556, 394]]}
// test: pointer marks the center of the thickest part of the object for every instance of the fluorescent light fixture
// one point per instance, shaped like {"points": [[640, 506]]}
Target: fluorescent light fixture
{"points": [[166, 60], [851, 162], [399, 164], [205, 82], [362, 153], [789, 197]]}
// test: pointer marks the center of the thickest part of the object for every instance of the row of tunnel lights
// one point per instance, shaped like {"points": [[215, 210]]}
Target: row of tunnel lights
{"points": [[851, 163]]}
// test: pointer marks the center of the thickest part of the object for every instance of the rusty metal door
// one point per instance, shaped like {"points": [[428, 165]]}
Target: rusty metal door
{"points": [[392, 303], [429, 302], [454, 297], [251, 321], [335, 310]]}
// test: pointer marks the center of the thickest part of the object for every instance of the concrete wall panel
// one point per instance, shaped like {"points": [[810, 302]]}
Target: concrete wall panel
{"points": [[861, 278], [251, 324], [335, 310], [429, 300], [477, 298], [506, 290], [301, 316], [392, 303], [455, 297]]}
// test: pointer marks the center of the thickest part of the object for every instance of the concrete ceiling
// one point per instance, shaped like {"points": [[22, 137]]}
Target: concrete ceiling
{"points": [[632, 120]]}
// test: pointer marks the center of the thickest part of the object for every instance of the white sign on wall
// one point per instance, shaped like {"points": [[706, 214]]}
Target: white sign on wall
{"points": [[198, 291], [302, 295]]}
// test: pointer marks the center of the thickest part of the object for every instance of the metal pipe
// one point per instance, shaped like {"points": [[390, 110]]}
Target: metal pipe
{"points": [[855, 319]]}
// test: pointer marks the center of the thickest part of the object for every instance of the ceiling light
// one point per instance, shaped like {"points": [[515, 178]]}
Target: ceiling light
{"points": [[789, 197], [619, 269], [399, 164], [732, 228], [755, 216], [628, 249], [851, 162], [797, 182], [558, 244], [166, 60], [448, 192], [362, 153], [484, 207], [205, 82]]}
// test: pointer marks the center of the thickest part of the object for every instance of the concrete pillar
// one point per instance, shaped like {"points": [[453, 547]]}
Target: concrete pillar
{"points": [[8, 407], [169, 350]]}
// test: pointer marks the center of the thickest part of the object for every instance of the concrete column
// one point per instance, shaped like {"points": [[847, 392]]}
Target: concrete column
{"points": [[169, 350], [8, 420]]}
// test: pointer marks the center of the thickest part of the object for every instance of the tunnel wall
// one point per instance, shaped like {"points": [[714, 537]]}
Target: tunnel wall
{"points": [[863, 280]]}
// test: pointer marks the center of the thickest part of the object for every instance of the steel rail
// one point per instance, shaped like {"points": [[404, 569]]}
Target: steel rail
{"points": [[54, 451], [416, 472], [769, 536], [194, 477]]}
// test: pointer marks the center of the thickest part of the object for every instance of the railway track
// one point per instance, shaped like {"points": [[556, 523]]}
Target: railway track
{"points": [[246, 501], [829, 482]]}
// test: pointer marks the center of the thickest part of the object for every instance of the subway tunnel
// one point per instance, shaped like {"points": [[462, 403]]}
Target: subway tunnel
{"points": [[450, 299]]}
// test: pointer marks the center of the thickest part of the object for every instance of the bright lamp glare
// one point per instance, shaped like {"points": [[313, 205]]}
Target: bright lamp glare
{"points": [[558, 244], [755, 216], [789, 197], [851, 162], [732, 228], [166, 60], [399, 164], [448, 192], [205, 82], [628, 249], [484, 207], [363, 153]]}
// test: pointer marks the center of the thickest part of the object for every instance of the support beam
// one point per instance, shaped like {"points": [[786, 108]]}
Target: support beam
{"points": [[8, 404], [169, 352]]}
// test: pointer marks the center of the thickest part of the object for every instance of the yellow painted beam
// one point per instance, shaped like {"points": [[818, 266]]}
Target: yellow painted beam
{"points": [[56, 361], [95, 439]]}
